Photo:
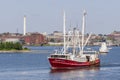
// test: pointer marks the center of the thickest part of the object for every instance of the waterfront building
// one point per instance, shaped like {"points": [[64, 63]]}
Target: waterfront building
{"points": [[28, 39], [34, 39], [55, 37], [115, 37]]}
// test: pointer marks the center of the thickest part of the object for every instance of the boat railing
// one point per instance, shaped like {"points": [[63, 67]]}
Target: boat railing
{"points": [[57, 52], [60, 56]]}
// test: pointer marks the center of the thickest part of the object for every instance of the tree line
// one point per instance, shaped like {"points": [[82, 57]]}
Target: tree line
{"points": [[10, 46]]}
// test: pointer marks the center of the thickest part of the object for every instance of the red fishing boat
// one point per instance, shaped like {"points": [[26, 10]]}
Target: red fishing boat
{"points": [[74, 54]]}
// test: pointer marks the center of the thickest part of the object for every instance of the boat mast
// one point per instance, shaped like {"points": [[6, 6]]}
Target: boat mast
{"points": [[64, 32], [83, 29]]}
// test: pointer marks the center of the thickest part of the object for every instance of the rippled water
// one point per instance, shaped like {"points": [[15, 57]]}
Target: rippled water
{"points": [[35, 66]]}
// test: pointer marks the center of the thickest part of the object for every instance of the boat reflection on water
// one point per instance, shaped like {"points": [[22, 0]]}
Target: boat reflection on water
{"points": [[92, 68], [73, 74], [103, 53]]}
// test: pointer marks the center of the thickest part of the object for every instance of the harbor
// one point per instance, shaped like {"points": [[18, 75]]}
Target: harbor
{"points": [[60, 40], [36, 66]]}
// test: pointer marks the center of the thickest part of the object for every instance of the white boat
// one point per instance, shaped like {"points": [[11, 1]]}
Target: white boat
{"points": [[103, 48], [73, 53]]}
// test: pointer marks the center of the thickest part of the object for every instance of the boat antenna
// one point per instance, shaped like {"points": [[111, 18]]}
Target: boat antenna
{"points": [[83, 28], [64, 31]]}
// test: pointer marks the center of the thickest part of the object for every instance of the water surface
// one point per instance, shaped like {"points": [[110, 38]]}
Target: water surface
{"points": [[35, 66]]}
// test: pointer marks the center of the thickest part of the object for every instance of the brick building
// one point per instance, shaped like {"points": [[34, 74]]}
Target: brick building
{"points": [[34, 39]]}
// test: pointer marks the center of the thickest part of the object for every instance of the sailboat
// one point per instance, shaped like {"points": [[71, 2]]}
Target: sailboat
{"points": [[103, 48], [73, 54]]}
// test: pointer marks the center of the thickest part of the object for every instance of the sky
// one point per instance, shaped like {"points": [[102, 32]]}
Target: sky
{"points": [[103, 16]]}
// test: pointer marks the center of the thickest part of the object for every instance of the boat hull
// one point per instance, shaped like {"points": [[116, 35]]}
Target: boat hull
{"points": [[70, 64]]}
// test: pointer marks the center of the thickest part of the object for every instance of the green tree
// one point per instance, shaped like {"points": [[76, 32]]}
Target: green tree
{"points": [[10, 46]]}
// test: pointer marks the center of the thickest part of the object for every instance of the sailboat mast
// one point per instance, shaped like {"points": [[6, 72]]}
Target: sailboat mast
{"points": [[64, 32], [83, 29]]}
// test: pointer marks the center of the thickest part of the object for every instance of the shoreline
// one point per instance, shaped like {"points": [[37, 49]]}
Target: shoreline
{"points": [[17, 51]]}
